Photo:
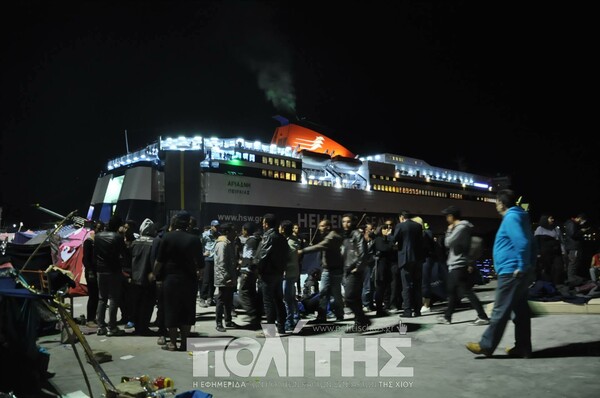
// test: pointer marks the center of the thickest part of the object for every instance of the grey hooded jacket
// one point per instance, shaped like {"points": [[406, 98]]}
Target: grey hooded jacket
{"points": [[458, 242]]}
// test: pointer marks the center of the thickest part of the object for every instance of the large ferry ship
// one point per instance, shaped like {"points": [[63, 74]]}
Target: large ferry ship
{"points": [[301, 175]]}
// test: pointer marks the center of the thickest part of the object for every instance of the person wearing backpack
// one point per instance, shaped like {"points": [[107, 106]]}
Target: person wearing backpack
{"points": [[460, 265]]}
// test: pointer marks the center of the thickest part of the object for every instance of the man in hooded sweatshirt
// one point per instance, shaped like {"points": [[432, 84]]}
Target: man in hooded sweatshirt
{"points": [[458, 243], [513, 261], [143, 291]]}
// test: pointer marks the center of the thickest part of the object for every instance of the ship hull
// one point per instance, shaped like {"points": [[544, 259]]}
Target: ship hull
{"points": [[240, 199]]}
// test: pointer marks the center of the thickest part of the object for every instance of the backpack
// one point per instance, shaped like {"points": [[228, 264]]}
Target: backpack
{"points": [[476, 250], [475, 253]]}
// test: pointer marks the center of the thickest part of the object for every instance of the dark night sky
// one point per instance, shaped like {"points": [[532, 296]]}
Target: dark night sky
{"points": [[496, 87]]}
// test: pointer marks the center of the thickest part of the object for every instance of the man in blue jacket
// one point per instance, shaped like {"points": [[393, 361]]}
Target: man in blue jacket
{"points": [[513, 263]]}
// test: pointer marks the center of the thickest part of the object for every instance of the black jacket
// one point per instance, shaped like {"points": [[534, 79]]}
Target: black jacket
{"points": [[331, 246], [89, 260], [409, 237], [272, 254], [355, 251], [141, 260], [385, 256], [573, 236], [109, 251]]}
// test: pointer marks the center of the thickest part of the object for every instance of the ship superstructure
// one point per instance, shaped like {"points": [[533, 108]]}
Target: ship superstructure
{"points": [[302, 175]]}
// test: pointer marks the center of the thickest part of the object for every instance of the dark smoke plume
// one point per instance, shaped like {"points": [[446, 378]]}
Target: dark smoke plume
{"points": [[275, 79], [247, 30]]}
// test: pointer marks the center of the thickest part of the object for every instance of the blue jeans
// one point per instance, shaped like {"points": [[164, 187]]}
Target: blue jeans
{"points": [[331, 286], [368, 287], [426, 277], [511, 297], [291, 306], [109, 295]]}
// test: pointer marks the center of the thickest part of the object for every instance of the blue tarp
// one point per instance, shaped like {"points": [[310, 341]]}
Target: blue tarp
{"points": [[194, 394]]}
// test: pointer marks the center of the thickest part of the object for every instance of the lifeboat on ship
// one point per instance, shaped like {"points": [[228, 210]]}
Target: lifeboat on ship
{"points": [[314, 159], [345, 164]]}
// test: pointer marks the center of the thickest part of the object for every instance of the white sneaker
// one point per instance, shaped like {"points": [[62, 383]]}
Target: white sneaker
{"points": [[480, 322], [425, 310]]}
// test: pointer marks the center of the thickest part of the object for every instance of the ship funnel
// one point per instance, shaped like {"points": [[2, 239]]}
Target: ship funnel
{"points": [[282, 121]]}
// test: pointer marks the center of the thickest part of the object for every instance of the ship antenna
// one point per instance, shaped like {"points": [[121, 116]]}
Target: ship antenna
{"points": [[126, 142], [312, 237], [361, 220]]}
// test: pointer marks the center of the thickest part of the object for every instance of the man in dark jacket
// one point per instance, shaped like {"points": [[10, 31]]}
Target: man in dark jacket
{"points": [[248, 293], [332, 275], [574, 232], [385, 256], [354, 253], [271, 259], [109, 252], [143, 292], [408, 235], [89, 262]]}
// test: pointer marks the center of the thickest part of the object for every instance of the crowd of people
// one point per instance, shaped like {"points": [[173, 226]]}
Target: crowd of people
{"points": [[396, 266]]}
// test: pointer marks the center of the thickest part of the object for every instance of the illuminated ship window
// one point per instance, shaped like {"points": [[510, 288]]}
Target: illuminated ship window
{"points": [[287, 176], [264, 172], [271, 173], [276, 174], [276, 162], [264, 158], [294, 164], [270, 160], [293, 177], [252, 157], [114, 189]]}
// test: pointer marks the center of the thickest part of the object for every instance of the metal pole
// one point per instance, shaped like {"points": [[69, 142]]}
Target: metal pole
{"points": [[48, 211]]}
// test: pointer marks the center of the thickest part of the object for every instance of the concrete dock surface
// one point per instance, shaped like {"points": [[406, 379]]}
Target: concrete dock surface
{"points": [[429, 360]]}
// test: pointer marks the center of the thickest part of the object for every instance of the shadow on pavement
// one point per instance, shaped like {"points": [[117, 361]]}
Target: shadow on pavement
{"points": [[590, 349], [483, 289]]}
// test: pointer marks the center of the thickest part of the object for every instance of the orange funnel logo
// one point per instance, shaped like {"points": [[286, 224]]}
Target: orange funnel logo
{"points": [[299, 138]]}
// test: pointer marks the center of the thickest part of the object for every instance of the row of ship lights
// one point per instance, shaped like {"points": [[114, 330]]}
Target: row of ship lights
{"points": [[184, 143]]}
